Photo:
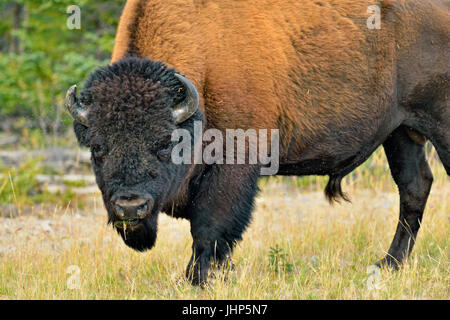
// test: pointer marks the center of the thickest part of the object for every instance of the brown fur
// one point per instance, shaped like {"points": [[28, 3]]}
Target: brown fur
{"points": [[300, 63], [123, 36]]}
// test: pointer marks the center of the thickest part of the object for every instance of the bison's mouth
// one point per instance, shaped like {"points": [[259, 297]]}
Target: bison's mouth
{"points": [[127, 224], [139, 234]]}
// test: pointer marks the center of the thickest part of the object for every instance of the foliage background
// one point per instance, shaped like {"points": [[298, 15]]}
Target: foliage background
{"points": [[40, 57]]}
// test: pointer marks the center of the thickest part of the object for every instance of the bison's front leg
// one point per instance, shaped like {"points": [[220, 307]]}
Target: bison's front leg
{"points": [[219, 213]]}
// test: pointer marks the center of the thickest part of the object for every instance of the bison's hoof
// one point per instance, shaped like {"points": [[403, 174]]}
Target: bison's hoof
{"points": [[197, 281], [388, 262], [196, 277]]}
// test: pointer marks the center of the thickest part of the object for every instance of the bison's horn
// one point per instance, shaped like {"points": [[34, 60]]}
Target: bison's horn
{"points": [[189, 106], [75, 109]]}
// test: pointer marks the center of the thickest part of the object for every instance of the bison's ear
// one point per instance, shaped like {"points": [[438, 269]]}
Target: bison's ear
{"points": [[81, 133]]}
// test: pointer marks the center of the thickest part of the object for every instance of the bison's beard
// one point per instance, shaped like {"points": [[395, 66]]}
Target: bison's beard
{"points": [[143, 236]]}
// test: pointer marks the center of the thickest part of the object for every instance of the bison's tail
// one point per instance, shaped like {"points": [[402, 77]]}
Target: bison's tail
{"points": [[333, 190]]}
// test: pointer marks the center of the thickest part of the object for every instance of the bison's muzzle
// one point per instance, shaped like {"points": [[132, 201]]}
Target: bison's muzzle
{"points": [[131, 209]]}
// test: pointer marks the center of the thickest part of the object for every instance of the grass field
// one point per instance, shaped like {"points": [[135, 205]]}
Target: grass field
{"points": [[297, 247]]}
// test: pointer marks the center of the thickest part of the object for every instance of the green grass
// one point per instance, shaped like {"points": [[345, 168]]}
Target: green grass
{"points": [[19, 186]]}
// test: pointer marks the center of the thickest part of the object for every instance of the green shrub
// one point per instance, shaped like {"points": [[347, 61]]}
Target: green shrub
{"points": [[51, 57]]}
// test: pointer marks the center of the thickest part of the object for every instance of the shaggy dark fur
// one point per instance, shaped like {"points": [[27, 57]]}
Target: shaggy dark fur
{"points": [[130, 150]]}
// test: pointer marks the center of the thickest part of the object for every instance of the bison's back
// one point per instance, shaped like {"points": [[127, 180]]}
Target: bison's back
{"points": [[307, 67]]}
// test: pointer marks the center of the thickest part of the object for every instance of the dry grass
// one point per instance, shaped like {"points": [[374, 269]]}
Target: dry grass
{"points": [[297, 247]]}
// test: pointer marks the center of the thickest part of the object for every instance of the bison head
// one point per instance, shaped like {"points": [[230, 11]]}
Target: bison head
{"points": [[126, 115]]}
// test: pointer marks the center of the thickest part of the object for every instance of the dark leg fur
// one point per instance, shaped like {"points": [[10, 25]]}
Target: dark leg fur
{"points": [[413, 177], [441, 141], [220, 212]]}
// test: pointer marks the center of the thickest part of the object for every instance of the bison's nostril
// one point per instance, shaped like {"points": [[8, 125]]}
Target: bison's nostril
{"points": [[119, 211], [142, 210]]}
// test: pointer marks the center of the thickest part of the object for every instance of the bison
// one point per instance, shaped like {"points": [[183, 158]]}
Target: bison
{"points": [[335, 87]]}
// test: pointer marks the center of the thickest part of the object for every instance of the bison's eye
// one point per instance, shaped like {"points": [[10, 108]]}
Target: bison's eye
{"points": [[98, 153], [164, 154]]}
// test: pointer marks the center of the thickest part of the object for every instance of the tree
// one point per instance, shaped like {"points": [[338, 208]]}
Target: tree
{"points": [[40, 57]]}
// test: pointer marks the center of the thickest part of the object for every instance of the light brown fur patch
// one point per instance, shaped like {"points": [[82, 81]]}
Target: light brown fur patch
{"points": [[122, 41]]}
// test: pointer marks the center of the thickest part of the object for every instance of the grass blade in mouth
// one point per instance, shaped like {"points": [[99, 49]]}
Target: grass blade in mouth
{"points": [[126, 224], [122, 223]]}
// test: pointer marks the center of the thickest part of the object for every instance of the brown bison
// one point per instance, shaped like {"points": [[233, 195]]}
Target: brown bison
{"points": [[314, 69]]}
